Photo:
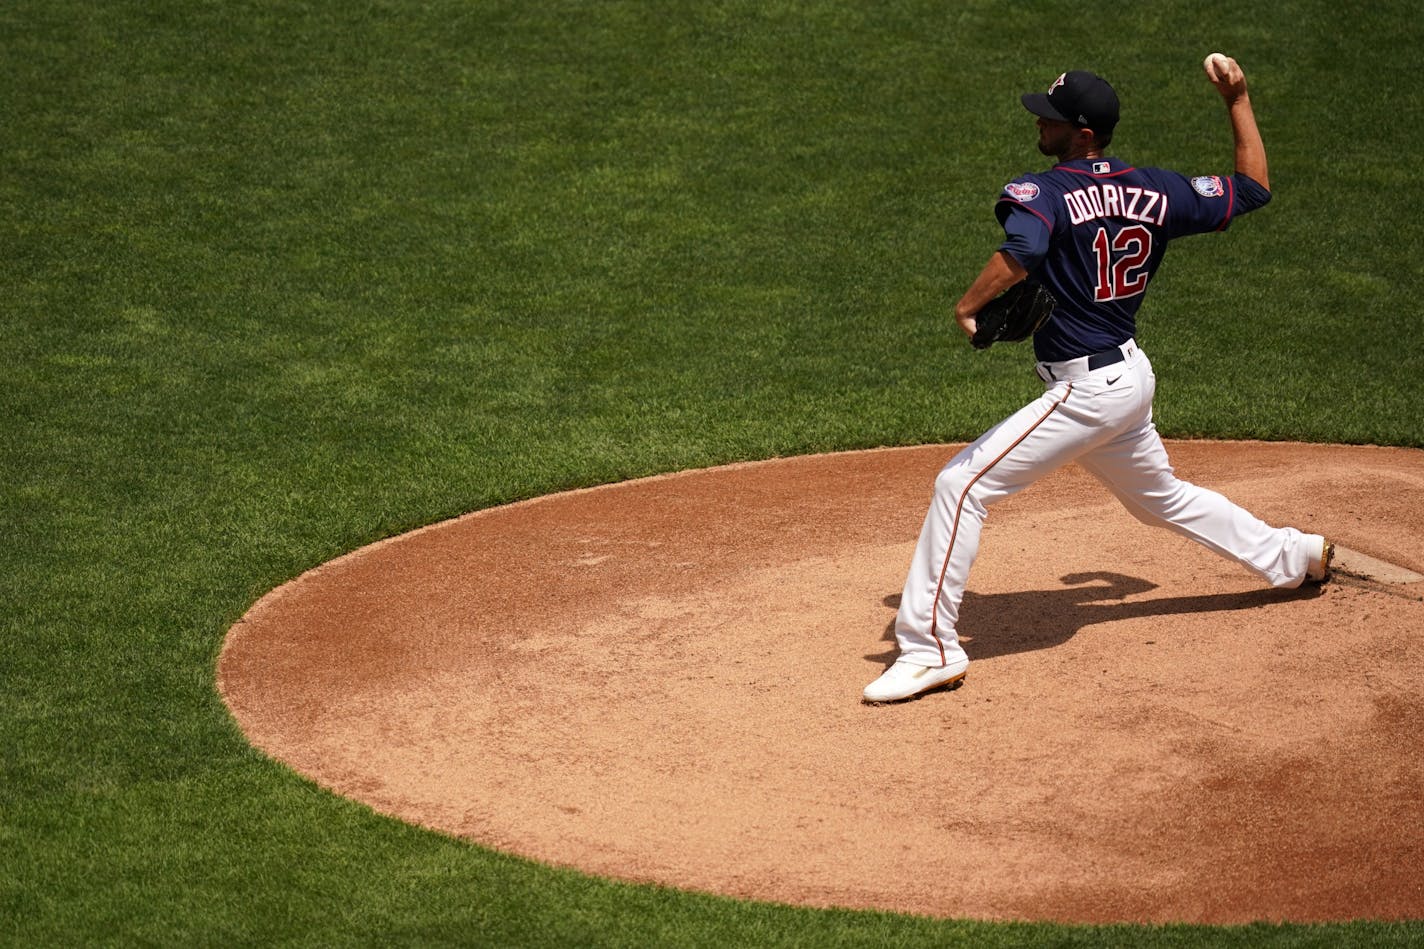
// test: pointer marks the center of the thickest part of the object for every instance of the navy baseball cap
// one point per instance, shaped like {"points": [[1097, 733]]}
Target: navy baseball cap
{"points": [[1080, 97]]}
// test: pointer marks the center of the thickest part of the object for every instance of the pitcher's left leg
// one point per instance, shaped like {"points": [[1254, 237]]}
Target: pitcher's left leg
{"points": [[1010, 456]]}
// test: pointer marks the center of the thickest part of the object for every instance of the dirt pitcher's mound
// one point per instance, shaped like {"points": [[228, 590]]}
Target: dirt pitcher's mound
{"points": [[660, 680]]}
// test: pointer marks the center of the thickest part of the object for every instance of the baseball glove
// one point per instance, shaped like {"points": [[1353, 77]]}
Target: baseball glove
{"points": [[1013, 315]]}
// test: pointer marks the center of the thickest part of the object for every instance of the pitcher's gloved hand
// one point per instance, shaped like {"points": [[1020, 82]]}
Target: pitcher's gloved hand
{"points": [[1013, 315]]}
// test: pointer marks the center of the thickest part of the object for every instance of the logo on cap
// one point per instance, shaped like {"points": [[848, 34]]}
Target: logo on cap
{"points": [[1057, 82]]}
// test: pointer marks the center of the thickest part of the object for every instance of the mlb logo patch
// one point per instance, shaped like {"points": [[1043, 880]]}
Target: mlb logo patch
{"points": [[1021, 190], [1209, 186], [1101, 167]]}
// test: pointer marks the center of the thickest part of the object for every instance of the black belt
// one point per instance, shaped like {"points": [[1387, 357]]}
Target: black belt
{"points": [[1107, 357]]}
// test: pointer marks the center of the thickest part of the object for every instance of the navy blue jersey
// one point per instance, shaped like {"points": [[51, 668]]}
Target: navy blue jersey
{"points": [[1094, 230]]}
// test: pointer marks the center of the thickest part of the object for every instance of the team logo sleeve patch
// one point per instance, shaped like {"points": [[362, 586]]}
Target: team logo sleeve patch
{"points": [[1209, 186], [1021, 190]]}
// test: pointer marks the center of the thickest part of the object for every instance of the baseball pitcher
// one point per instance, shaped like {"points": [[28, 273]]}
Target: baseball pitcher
{"points": [[1082, 242]]}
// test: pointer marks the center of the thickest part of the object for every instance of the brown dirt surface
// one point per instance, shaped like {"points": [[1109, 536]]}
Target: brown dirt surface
{"points": [[660, 681]]}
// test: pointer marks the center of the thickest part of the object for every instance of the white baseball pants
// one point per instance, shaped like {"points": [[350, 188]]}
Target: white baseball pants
{"points": [[1102, 419]]}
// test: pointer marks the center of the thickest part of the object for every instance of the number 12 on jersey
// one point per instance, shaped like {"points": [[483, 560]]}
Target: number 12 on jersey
{"points": [[1122, 262]]}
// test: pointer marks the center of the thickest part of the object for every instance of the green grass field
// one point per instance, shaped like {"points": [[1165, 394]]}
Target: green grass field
{"points": [[284, 278]]}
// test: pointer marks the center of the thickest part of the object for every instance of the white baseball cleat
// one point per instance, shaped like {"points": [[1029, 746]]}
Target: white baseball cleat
{"points": [[905, 680], [1318, 570]]}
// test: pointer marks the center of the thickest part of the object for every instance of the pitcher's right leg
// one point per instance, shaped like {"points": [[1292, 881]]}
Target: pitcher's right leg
{"points": [[1135, 468]]}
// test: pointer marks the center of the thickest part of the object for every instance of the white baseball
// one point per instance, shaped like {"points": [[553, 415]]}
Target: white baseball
{"points": [[1217, 64]]}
